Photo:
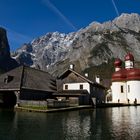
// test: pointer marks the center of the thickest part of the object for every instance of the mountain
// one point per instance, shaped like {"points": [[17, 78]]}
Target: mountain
{"points": [[6, 62], [92, 49]]}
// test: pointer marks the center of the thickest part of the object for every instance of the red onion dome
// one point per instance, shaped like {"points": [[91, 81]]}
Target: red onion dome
{"points": [[133, 74], [119, 75], [118, 62], [129, 56]]}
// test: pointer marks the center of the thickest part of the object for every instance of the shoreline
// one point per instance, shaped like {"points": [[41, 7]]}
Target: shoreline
{"points": [[54, 109], [72, 108]]}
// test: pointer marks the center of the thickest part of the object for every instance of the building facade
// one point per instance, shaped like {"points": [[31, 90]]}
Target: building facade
{"points": [[24, 85], [126, 82], [71, 83]]}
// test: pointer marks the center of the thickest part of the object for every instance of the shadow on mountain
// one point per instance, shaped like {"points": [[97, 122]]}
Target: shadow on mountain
{"points": [[8, 64]]}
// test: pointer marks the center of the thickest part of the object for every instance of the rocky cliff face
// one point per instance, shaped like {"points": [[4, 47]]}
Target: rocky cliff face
{"points": [[6, 62], [4, 46], [90, 47]]}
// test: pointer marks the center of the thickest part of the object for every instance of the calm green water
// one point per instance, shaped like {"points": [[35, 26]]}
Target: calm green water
{"points": [[119, 123]]}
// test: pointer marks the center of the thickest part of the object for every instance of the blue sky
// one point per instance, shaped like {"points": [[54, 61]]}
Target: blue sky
{"points": [[29, 19]]}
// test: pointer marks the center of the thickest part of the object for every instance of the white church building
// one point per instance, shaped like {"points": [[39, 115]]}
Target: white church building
{"points": [[126, 82]]}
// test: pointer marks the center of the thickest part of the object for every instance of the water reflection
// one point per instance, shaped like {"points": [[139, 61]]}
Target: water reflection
{"points": [[6, 123], [126, 123], [77, 125], [90, 124]]}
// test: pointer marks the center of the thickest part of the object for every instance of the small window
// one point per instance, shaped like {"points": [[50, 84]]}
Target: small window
{"points": [[128, 88], [122, 90], [81, 86], [8, 79], [66, 86]]}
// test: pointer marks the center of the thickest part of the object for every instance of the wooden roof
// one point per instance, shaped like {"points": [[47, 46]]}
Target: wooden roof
{"points": [[24, 77], [14, 83], [68, 71]]}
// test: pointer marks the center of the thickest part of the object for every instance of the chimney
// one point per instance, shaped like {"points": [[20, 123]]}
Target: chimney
{"points": [[97, 79], [86, 74], [71, 66]]}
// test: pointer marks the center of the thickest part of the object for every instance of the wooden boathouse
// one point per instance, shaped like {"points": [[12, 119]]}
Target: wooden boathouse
{"points": [[24, 84]]}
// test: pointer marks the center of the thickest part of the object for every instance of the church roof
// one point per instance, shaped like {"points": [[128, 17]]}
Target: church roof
{"points": [[119, 75], [129, 56], [118, 62], [126, 74]]}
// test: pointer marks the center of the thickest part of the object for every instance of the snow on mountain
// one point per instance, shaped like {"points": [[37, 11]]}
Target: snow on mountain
{"points": [[91, 46]]}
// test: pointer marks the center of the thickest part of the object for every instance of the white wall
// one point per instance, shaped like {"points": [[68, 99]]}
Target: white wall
{"points": [[129, 64], [134, 91], [116, 92], [76, 86]]}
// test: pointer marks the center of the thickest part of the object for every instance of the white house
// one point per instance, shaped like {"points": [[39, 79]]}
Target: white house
{"points": [[126, 82], [72, 84]]}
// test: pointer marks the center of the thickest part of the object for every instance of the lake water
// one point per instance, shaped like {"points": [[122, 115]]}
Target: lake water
{"points": [[118, 123]]}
